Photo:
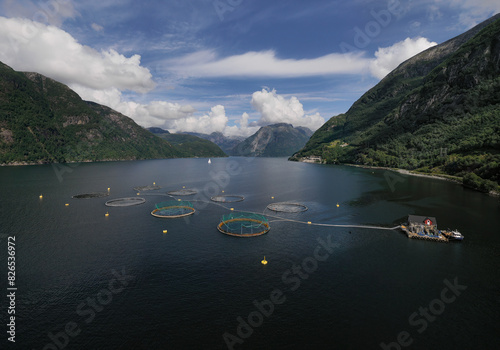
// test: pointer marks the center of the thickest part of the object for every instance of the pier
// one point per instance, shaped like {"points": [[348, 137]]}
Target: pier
{"points": [[423, 227]]}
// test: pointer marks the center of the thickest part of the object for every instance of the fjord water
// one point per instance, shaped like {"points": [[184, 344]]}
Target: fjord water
{"points": [[87, 281]]}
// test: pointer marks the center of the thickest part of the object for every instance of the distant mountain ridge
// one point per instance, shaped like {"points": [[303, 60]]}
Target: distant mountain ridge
{"points": [[191, 145], [277, 140], [438, 112], [224, 142]]}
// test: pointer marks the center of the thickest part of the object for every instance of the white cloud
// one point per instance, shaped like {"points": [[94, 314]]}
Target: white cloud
{"points": [[215, 120], [244, 129], [174, 117], [97, 27], [265, 64], [275, 108], [28, 45], [155, 113], [388, 58]]}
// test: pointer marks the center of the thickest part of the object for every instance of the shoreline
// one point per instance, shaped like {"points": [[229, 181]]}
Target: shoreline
{"points": [[15, 164], [444, 177]]}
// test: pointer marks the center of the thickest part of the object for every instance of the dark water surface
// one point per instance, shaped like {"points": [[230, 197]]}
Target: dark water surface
{"points": [[86, 281]]}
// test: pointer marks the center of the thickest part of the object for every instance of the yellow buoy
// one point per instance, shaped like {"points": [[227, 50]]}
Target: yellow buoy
{"points": [[107, 214], [183, 186], [109, 189], [41, 197], [272, 197], [264, 262], [338, 205], [309, 223], [222, 191], [67, 204], [138, 194], [164, 231], [154, 183], [232, 208]]}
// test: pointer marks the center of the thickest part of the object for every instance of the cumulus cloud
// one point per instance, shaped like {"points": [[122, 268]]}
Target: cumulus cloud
{"points": [[388, 58], [272, 108], [215, 120], [275, 108], [265, 63], [244, 129], [154, 113], [28, 45]]}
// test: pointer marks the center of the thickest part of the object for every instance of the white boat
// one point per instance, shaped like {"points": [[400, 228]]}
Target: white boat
{"points": [[456, 235], [453, 234]]}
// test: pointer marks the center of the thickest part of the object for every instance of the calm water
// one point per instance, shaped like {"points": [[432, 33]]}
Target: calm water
{"points": [[86, 281]]}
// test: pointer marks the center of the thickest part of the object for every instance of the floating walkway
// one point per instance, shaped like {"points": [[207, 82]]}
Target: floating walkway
{"points": [[279, 218]]}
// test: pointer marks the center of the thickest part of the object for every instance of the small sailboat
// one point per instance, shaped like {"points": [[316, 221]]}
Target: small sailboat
{"points": [[209, 161]]}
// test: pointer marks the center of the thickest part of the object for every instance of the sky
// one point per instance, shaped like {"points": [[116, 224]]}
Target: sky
{"points": [[227, 66]]}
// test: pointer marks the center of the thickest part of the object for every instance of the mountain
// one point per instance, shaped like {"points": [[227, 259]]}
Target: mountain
{"points": [[438, 112], [189, 144], [224, 142], [44, 121], [277, 140], [158, 130]]}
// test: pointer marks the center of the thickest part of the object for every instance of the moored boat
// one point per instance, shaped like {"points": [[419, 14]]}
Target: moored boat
{"points": [[453, 234]]}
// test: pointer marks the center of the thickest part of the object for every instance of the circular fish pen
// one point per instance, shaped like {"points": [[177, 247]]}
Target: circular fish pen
{"points": [[227, 198], [173, 209], [183, 192], [243, 224], [287, 207], [91, 195], [147, 188], [125, 202]]}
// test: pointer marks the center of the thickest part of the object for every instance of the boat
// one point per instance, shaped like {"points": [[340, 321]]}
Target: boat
{"points": [[209, 161], [454, 234]]}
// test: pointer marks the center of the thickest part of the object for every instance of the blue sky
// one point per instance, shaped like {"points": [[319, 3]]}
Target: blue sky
{"points": [[226, 65]]}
